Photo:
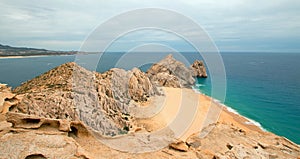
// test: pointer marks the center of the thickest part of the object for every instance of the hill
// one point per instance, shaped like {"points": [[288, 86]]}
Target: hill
{"points": [[6, 50]]}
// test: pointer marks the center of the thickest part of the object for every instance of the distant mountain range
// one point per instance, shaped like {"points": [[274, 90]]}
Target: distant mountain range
{"points": [[6, 50]]}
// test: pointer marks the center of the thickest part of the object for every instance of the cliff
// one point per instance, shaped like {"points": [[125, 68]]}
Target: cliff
{"points": [[57, 114]]}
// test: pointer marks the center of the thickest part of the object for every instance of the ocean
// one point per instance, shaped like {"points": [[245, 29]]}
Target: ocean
{"points": [[264, 87]]}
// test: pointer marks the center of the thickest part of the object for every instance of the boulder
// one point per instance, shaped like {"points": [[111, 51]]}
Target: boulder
{"points": [[194, 141], [179, 146]]}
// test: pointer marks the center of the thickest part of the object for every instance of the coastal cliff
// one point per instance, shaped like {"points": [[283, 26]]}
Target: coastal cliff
{"points": [[55, 114]]}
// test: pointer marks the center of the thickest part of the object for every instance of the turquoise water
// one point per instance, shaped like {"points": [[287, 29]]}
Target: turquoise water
{"points": [[264, 87]]}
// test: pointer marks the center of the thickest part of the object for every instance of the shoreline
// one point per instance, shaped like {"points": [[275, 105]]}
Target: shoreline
{"points": [[207, 111], [249, 121], [228, 109], [21, 57], [30, 56], [233, 112]]}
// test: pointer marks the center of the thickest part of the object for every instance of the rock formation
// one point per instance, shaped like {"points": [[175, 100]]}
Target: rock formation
{"points": [[100, 100], [170, 73], [140, 86], [227, 141], [51, 116], [198, 69], [36, 137], [7, 99]]}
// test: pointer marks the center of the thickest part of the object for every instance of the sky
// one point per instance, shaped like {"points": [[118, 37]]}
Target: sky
{"points": [[233, 25]]}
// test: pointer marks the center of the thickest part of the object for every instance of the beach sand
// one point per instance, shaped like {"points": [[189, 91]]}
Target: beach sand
{"points": [[186, 112], [33, 56], [18, 57], [11, 57]]}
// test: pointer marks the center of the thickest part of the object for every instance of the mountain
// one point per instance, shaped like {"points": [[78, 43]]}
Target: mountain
{"points": [[6, 50]]}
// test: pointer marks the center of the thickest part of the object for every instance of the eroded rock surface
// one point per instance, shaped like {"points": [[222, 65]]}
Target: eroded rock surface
{"points": [[7, 99], [73, 93], [226, 141], [33, 145], [171, 73], [52, 114], [140, 86], [198, 69]]}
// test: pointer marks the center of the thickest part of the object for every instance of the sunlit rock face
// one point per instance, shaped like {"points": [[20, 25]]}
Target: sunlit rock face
{"points": [[171, 73]]}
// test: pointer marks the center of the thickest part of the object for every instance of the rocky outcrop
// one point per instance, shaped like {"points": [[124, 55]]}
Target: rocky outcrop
{"points": [[170, 73], [7, 99], [36, 137], [30, 145], [31, 136], [227, 141], [140, 86], [73, 93], [101, 101], [52, 115], [57, 79], [198, 69]]}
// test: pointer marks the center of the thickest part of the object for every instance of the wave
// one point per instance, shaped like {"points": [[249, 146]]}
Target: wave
{"points": [[249, 122], [199, 85], [253, 122], [196, 90], [231, 110]]}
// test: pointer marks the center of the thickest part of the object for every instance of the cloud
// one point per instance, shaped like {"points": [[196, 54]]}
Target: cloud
{"points": [[234, 25]]}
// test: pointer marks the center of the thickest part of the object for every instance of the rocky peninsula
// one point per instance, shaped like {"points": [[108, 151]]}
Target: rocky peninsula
{"points": [[64, 112]]}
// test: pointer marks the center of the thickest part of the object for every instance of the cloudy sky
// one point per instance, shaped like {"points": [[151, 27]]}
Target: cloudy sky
{"points": [[233, 25]]}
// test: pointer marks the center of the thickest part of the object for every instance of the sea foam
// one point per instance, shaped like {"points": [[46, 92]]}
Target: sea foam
{"points": [[196, 90], [249, 122]]}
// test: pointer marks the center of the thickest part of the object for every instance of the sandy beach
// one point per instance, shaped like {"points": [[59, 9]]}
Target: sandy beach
{"points": [[178, 115], [12, 57], [18, 57], [187, 112]]}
